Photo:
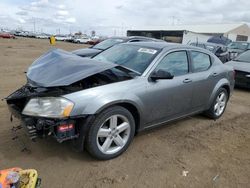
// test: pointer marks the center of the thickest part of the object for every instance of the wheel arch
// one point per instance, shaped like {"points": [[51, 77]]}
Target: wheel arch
{"points": [[227, 87], [130, 106], [223, 83]]}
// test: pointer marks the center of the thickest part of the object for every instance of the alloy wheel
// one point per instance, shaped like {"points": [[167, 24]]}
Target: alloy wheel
{"points": [[113, 134], [220, 103]]}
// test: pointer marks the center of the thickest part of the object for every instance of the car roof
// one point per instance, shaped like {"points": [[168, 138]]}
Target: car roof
{"points": [[135, 37], [163, 45]]}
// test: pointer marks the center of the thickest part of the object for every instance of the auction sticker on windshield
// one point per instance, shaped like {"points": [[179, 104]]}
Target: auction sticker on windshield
{"points": [[147, 50]]}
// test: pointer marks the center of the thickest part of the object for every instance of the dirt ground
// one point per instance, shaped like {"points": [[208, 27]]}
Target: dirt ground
{"points": [[210, 153]]}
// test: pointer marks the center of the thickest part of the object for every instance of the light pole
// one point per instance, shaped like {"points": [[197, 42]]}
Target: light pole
{"points": [[34, 24]]}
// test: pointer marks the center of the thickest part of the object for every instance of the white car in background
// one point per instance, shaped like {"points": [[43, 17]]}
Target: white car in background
{"points": [[83, 39], [63, 37], [43, 36]]}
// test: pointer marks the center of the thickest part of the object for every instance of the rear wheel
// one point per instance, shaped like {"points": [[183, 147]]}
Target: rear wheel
{"points": [[111, 133], [219, 104]]}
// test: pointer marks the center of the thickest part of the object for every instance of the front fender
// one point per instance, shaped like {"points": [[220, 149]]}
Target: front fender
{"points": [[88, 102]]}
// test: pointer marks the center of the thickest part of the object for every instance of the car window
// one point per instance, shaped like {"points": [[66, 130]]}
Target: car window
{"points": [[107, 43], [176, 63], [244, 57], [238, 45], [200, 61], [134, 57]]}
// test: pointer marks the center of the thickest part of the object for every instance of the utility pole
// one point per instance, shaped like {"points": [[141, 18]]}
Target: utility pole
{"points": [[34, 22], [69, 29]]}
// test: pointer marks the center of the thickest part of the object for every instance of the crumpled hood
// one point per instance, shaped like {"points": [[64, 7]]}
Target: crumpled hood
{"points": [[240, 66], [86, 52], [61, 68]]}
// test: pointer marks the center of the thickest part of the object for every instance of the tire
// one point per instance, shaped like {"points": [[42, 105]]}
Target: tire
{"points": [[106, 138], [213, 112]]}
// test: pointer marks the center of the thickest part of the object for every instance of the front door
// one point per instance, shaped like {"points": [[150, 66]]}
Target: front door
{"points": [[169, 98]]}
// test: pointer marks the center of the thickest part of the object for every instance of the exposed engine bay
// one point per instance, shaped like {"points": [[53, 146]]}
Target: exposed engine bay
{"points": [[61, 128]]}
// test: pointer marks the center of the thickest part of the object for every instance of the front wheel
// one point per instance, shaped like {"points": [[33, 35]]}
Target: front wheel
{"points": [[111, 133], [219, 104]]}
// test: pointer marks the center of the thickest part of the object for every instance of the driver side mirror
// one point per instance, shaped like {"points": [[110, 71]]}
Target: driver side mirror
{"points": [[161, 74]]}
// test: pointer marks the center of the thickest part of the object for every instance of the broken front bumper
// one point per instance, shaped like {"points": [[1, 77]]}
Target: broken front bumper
{"points": [[60, 129]]}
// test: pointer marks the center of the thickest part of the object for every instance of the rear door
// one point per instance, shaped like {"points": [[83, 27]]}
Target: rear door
{"points": [[203, 76]]}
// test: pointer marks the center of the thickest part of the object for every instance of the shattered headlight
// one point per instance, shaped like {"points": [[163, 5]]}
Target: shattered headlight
{"points": [[53, 107]]}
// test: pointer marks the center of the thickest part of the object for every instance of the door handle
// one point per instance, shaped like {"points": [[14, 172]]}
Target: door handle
{"points": [[187, 80], [215, 74]]}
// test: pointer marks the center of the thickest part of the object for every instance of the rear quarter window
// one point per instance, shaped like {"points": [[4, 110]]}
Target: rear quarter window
{"points": [[200, 61]]}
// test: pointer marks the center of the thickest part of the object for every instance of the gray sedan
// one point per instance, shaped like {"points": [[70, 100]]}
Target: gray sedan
{"points": [[104, 101]]}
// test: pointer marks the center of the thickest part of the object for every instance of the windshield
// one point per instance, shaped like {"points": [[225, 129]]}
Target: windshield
{"points": [[245, 57], [136, 58], [107, 44], [238, 45]]}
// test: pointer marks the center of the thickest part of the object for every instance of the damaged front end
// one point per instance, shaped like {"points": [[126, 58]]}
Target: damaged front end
{"points": [[38, 125], [40, 104]]}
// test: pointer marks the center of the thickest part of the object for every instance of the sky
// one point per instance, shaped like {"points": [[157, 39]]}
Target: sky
{"points": [[114, 17]]}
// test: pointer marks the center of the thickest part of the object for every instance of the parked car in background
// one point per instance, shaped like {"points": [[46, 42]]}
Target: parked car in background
{"points": [[82, 39], [63, 37], [95, 40], [102, 102], [219, 40], [236, 48], [221, 51], [26, 34], [241, 65], [42, 36], [6, 35], [92, 51], [22, 33]]}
